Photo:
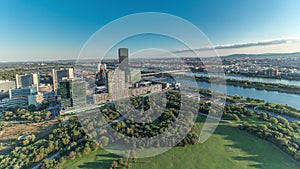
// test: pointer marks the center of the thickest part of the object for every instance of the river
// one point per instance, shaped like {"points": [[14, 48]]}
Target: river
{"points": [[252, 79], [269, 96]]}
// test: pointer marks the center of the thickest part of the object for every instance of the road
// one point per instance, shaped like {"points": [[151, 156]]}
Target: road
{"points": [[217, 118], [112, 122]]}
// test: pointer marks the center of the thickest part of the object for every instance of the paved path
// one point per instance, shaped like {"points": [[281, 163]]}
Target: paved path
{"points": [[217, 118], [290, 119]]}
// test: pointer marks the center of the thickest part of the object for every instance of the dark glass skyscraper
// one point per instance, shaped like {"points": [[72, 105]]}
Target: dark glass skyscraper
{"points": [[73, 93], [65, 93], [123, 59]]}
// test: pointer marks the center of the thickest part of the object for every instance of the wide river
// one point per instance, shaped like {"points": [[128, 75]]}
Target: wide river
{"points": [[269, 96], [252, 79]]}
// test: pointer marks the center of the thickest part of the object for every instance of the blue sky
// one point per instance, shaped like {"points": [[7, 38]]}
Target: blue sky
{"points": [[57, 29]]}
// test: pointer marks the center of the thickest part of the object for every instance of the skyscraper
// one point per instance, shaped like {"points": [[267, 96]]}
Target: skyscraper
{"points": [[36, 79], [116, 84], [123, 64], [65, 94], [58, 76], [101, 75], [73, 93], [123, 59]]}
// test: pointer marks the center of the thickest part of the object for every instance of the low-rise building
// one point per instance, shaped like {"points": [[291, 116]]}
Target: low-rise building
{"points": [[107, 97], [5, 85]]}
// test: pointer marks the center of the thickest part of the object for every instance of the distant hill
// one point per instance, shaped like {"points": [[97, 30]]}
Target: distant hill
{"points": [[296, 54]]}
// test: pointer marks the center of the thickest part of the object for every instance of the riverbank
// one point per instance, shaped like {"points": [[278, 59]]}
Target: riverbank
{"points": [[257, 76], [256, 85]]}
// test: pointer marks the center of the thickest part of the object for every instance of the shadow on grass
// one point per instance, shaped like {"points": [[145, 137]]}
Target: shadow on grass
{"points": [[232, 133], [103, 161], [103, 164], [257, 149], [110, 155], [8, 145], [44, 131], [6, 150]]}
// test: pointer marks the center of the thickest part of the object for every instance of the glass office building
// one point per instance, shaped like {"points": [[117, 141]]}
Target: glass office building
{"points": [[73, 93]]}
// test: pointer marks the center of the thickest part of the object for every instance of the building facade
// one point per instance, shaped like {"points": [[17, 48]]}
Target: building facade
{"points": [[108, 97], [27, 80], [101, 75], [73, 93], [5, 85], [59, 75], [116, 84], [135, 76], [19, 97], [123, 59]]}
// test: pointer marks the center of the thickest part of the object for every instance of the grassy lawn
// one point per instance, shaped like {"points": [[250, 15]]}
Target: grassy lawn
{"points": [[228, 147], [99, 159]]}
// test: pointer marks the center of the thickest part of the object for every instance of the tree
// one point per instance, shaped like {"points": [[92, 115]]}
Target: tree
{"points": [[31, 108], [31, 138], [273, 120], [120, 160], [87, 149], [282, 120], [248, 99], [134, 156], [26, 142], [66, 140], [72, 155], [1, 125], [263, 116], [104, 140], [44, 105], [50, 136], [114, 164]]}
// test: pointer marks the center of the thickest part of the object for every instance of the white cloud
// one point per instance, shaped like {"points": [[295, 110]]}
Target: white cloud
{"points": [[267, 46]]}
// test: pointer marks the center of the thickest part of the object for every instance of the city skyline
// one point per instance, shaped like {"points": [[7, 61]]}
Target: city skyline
{"points": [[150, 84]]}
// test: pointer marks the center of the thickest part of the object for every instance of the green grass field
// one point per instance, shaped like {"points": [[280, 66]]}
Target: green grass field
{"points": [[97, 159], [228, 147]]}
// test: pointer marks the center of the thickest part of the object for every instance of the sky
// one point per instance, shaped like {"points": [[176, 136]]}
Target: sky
{"points": [[59, 29]]}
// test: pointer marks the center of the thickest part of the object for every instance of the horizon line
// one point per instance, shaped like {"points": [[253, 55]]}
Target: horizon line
{"points": [[268, 53]]}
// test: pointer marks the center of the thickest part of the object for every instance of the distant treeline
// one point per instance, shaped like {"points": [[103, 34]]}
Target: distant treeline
{"points": [[257, 85]]}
